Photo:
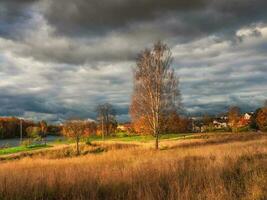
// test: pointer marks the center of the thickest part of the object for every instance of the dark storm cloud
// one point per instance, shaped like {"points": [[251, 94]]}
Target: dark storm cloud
{"points": [[12, 9], [27, 102], [13, 13], [128, 26], [195, 16], [37, 108], [120, 29], [95, 15]]}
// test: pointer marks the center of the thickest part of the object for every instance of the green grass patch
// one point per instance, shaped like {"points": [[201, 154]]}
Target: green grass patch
{"points": [[134, 138], [123, 137], [18, 149], [148, 138], [179, 136]]}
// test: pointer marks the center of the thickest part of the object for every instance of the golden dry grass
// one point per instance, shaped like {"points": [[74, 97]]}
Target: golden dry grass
{"points": [[219, 167]]}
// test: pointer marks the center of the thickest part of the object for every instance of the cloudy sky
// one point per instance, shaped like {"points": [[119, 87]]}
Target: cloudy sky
{"points": [[59, 58]]}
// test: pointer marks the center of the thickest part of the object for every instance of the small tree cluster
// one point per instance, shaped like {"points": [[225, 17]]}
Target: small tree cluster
{"points": [[106, 119], [233, 117], [34, 134]]}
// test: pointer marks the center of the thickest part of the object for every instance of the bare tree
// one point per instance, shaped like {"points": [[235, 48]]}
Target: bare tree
{"points": [[43, 126], [156, 88], [75, 129], [207, 122], [233, 117], [106, 117]]}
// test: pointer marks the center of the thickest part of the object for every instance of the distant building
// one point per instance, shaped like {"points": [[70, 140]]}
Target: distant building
{"points": [[124, 127], [247, 116], [244, 120], [219, 124]]}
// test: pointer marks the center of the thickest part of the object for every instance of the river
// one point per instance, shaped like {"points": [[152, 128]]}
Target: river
{"points": [[16, 141]]}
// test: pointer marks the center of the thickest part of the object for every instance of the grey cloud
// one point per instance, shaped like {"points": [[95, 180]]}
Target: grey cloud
{"points": [[13, 13], [58, 65], [126, 27], [94, 15], [31, 106], [12, 9], [198, 17]]}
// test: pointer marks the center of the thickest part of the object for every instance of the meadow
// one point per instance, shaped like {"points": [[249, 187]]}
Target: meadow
{"points": [[202, 166]]}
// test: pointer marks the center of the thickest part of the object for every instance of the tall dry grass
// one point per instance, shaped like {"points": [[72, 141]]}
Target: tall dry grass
{"points": [[227, 169]]}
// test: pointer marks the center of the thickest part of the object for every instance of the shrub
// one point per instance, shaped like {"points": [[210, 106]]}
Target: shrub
{"points": [[26, 142], [243, 129], [121, 134], [88, 141]]}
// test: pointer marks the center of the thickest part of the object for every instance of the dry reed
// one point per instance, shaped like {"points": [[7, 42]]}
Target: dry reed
{"points": [[229, 169]]}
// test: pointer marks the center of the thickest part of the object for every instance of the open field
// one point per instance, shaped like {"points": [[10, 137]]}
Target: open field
{"points": [[207, 166]]}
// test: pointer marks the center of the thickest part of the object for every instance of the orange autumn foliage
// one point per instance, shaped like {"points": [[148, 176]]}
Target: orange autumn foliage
{"points": [[173, 123], [141, 126], [261, 119]]}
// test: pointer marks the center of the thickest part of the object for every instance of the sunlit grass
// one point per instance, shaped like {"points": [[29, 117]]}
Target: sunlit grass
{"points": [[215, 167], [140, 138], [127, 138]]}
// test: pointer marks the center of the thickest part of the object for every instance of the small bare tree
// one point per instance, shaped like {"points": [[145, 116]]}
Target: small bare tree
{"points": [[233, 117], [75, 129], [156, 88], [43, 126], [106, 117]]}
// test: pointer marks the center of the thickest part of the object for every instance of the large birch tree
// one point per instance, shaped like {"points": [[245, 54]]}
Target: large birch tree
{"points": [[156, 88]]}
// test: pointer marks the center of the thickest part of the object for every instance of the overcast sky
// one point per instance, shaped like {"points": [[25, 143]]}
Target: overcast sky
{"points": [[59, 58]]}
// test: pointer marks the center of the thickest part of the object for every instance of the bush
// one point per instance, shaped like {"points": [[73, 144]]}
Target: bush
{"points": [[121, 134], [243, 129], [88, 141], [26, 143]]}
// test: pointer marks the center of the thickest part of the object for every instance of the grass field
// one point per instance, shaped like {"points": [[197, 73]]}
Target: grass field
{"points": [[142, 138], [119, 137], [128, 138], [209, 166]]}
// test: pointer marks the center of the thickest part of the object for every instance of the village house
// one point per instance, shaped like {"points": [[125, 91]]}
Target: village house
{"points": [[244, 120], [219, 124], [124, 127]]}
